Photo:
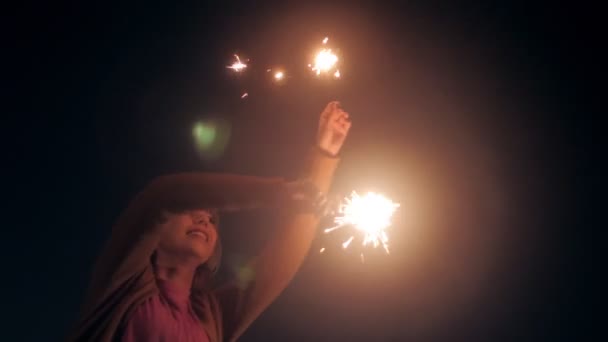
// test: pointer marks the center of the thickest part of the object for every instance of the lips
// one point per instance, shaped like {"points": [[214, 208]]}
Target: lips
{"points": [[200, 233]]}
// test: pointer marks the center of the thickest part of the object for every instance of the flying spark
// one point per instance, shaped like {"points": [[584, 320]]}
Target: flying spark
{"points": [[237, 66], [347, 242], [337, 74], [279, 75], [325, 40], [244, 95], [369, 214]]}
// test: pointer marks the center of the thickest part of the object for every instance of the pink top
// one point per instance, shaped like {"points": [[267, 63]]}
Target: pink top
{"points": [[167, 316]]}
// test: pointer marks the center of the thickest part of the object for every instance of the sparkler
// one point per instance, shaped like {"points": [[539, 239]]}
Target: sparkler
{"points": [[237, 66], [325, 61], [279, 75], [369, 214]]}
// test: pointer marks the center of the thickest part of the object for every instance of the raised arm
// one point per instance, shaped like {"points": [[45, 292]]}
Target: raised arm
{"points": [[277, 264]]}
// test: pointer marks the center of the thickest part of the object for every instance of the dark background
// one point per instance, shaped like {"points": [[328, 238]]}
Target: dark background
{"points": [[469, 115]]}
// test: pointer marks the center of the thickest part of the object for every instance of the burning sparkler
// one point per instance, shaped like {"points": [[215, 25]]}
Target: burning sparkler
{"points": [[370, 214], [237, 66], [325, 61]]}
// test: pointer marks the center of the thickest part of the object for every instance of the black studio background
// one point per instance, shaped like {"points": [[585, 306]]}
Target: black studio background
{"points": [[469, 114]]}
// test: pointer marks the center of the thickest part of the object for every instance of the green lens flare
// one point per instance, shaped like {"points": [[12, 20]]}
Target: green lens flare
{"points": [[211, 137], [204, 134]]}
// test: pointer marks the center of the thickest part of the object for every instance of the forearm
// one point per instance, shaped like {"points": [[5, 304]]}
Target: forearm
{"points": [[284, 254], [274, 268]]}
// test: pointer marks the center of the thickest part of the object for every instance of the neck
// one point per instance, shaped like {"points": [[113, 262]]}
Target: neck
{"points": [[176, 271]]}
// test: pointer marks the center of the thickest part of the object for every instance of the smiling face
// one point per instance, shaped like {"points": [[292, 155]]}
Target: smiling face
{"points": [[190, 234]]}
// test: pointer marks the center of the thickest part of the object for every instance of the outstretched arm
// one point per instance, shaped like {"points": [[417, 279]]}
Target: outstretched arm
{"points": [[279, 261], [134, 239]]}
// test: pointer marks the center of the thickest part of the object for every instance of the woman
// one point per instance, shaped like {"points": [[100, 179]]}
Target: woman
{"points": [[152, 281]]}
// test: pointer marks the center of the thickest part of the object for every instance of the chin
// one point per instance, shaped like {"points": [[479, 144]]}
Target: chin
{"points": [[201, 253]]}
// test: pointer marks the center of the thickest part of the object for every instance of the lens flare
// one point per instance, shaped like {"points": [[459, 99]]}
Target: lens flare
{"points": [[369, 215], [210, 137]]}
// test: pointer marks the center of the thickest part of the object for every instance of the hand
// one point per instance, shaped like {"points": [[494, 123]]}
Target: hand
{"points": [[333, 128]]}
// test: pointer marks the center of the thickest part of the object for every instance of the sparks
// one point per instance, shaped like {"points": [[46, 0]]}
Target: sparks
{"points": [[337, 74], [347, 242], [244, 95], [322, 250], [237, 66], [325, 61], [370, 214], [279, 75]]}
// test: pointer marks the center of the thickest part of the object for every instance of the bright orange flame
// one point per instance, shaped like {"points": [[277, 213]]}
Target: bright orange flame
{"points": [[370, 214], [324, 61]]}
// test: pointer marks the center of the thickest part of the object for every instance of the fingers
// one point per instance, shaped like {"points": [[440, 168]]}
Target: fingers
{"points": [[341, 122], [335, 118], [330, 109]]}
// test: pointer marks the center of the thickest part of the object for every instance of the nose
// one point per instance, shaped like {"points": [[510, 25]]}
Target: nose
{"points": [[201, 219]]}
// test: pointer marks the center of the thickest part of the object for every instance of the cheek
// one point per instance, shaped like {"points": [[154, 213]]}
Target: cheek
{"points": [[172, 230]]}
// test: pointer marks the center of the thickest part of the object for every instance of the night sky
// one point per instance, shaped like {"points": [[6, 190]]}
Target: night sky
{"points": [[468, 115]]}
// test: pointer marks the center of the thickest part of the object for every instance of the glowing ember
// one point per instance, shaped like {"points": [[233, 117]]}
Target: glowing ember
{"points": [[370, 214], [325, 40], [244, 95], [322, 250], [237, 66], [337, 74], [279, 75]]}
